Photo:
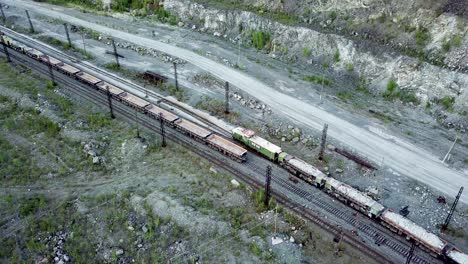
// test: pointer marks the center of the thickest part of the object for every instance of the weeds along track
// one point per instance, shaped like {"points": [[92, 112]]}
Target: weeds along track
{"points": [[370, 231], [115, 78]]}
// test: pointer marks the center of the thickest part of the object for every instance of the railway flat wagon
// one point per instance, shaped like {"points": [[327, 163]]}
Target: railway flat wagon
{"points": [[88, 78], [33, 53], [134, 101], [264, 147], [8, 41], [402, 225], [155, 112], [114, 91], [50, 60], [67, 69], [302, 169], [355, 198], [227, 147], [457, 256], [192, 129]]}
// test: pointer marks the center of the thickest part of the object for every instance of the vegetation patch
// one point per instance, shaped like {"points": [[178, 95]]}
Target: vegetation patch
{"points": [[447, 102], [306, 52], [66, 46], [259, 38], [217, 107], [317, 79], [393, 92]]}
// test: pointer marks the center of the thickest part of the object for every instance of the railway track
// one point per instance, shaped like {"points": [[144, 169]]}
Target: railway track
{"points": [[380, 235], [116, 79], [382, 239]]}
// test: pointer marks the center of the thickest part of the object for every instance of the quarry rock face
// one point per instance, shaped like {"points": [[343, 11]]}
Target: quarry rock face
{"points": [[428, 82]]}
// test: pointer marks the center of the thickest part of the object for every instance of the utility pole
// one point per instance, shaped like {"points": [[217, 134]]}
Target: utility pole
{"points": [[109, 100], [3, 14], [324, 141], [51, 71], [410, 254], [175, 76], [136, 120], [68, 34], [115, 54], [452, 210], [31, 28], [5, 49], [450, 150], [84, 44], [267, 186], [163, 133], [226, 86]]}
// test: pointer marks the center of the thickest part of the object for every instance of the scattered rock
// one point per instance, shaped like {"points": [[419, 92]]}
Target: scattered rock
{"points": [[339, 171], [291, 239], [235, 183], [119, 252], [144, 229], [213, 170]]}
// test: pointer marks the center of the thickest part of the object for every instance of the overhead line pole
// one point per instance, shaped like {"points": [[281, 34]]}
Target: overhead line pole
{"points": [[452, 210], [3, 14], [109, 100], [68, 34], [31, 28], [411, 253], [115, 54], [163, 133], [226, 110], [5, 49], [324, 141], [267, 186], [51, 71], [175, 76]]}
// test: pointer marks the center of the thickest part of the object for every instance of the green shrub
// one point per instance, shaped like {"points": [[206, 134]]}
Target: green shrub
{"points": [[457, 41], [255, 249], [31, 205], [317, 79], [336, 56], [306, 52], [349, 67], [259, 39], [422, 36], [446, 46], [447, 102], [333, 15]]}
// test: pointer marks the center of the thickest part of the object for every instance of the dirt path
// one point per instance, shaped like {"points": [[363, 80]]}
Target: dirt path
{"points": [[400, 156]]}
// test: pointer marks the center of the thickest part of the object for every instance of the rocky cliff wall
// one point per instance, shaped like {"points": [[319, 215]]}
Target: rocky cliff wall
{"points": [[428, 82]]}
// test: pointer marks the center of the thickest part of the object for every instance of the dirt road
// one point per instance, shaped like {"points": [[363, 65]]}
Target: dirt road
{"points": [[402, 157]]}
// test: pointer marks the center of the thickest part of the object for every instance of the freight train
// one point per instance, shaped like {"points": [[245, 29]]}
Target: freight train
{"points": [[301, 169], [189, 128], [352, 197]]}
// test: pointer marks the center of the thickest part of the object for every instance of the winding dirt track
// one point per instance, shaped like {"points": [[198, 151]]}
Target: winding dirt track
{"points": [[400, 156]]}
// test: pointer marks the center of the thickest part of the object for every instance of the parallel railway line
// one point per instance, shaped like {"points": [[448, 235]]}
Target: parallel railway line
{"points": [[116, 79], [396, 246]]}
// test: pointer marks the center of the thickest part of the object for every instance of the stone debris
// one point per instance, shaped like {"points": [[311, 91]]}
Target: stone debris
{"points": [[235, 183], [119, 252], [57, 242], [276, 240], [213, 170]]}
